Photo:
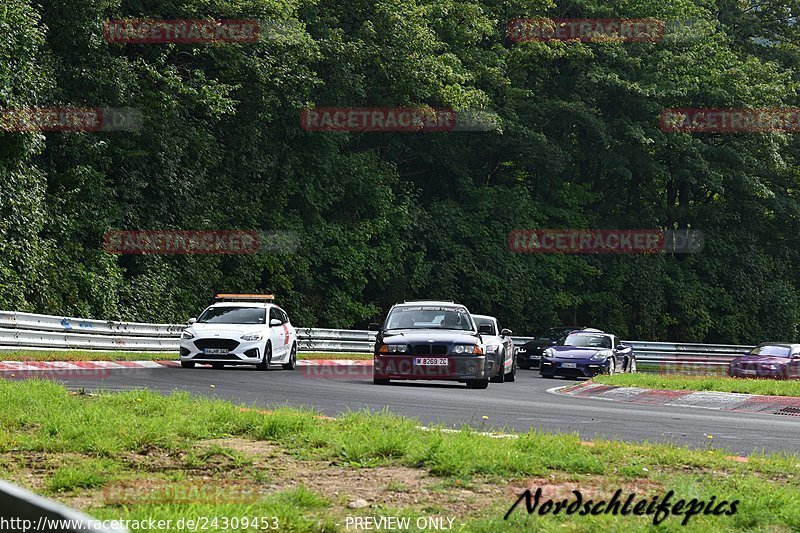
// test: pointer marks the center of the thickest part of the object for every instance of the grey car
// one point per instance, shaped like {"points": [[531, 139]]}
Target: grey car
{"points": [[499, 347]]}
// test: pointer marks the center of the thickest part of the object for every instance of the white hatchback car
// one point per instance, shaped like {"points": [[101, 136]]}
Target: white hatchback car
{"points": [[240, 329]]}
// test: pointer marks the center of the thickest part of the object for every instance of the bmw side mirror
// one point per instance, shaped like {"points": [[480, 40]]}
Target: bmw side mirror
{"points": [[374, 326], [275, 322], [192, 321], [506, 332], [485, 329]]}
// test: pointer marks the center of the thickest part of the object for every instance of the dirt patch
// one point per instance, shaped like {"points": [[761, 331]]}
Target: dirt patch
{"points": [[556, 488], [258, 468]]}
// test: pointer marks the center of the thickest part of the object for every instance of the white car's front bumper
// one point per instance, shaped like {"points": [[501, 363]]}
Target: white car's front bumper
{"points": [[228, 350]]}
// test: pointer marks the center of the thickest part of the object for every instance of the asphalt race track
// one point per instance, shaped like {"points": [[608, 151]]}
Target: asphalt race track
{"points": [[519, 406]]}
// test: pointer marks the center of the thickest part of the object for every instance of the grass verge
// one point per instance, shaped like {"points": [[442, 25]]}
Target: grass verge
{"points": [[767, 387], [92, 355], [140, 455]]}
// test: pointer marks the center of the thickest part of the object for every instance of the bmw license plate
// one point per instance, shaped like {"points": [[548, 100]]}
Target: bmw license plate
{"points": [[568, 365], [215, 351], [431, 361]]}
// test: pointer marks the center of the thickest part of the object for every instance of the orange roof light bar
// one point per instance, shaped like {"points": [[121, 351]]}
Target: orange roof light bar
{"points": [[245, 297]]}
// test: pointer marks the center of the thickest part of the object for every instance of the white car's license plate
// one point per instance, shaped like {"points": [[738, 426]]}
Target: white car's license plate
{"points": [[568, 365], [431, 361], [215, 351]]}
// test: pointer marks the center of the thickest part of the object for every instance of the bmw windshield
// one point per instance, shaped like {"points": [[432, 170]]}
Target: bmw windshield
{"points": [[233, 315], [772, 351], [430, 317]]}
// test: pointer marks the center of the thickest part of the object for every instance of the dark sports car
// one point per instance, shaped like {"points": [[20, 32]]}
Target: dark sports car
{"points": [[586, 353], [431, 341], [530, 354], [768, 360]]}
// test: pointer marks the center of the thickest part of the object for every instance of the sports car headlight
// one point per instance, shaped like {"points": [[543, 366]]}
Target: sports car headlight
{"points": [[251, 337], [600, 356], [467, 349], [187, 334], [492, 348], [394, 348], [548, 353]]}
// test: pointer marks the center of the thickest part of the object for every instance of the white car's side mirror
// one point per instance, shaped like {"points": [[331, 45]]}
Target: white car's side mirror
{"points": [[192, 321], [275, 322]]}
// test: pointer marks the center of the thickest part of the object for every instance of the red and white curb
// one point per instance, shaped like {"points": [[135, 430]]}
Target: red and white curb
{"points": [[44, 366], [725, 401]]}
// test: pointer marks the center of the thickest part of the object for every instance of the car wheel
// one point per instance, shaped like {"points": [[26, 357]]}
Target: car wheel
{"points": [[612, 366], [632, 365], [501, 371], [512, 376], [292, 359], [477, 383], [379, 381], [218, 366], [187, 364], [266, 359]]}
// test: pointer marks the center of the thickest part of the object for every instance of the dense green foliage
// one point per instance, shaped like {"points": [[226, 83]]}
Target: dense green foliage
{"points": [[392, 216]]}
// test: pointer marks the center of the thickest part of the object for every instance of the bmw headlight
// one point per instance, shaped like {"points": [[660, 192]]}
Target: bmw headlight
{"points": [[600, 356], [187, 335], [394, 348], [251, 337], [467, 349]]}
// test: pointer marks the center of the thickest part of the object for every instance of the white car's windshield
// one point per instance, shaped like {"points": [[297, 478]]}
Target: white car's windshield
{"points": [[429, 317], [233, 315], [484, 322], [588, 341]]}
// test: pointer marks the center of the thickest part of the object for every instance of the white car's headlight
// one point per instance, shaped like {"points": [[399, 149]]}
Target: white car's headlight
{"points": [[251, 337], [187, 335]]}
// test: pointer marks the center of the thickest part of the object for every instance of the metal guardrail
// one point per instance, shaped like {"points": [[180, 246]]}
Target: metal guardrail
{"points": [[33, 331], [21, 510]]}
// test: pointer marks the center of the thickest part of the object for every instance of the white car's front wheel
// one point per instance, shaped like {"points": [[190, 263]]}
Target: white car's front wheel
{"points": [[266, 359], [292, 359]]}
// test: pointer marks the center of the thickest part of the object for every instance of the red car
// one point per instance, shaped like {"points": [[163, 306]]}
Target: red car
{"points": [[768, 360], [431, 340]]}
